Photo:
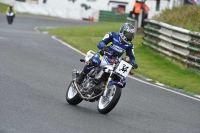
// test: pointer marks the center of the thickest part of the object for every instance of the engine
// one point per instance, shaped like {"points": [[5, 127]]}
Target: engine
{"points": [[92, 84]]}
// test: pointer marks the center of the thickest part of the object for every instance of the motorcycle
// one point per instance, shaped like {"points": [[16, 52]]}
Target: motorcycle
{"points": [[10, 17], [103, 83]]}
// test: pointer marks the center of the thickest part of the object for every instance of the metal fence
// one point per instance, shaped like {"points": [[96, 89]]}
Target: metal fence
{"points": [[177, 43], [112, 16]]}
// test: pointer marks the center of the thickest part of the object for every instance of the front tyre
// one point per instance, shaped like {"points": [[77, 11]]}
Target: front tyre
{"points": [[72, 96], [108, 102]]}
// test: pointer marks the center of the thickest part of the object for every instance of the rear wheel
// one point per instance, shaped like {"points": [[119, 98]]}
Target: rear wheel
{"points": [[108, 102], [72, 96]]}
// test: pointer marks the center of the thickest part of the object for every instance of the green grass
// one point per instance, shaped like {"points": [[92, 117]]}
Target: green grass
{"points": [[151, 64], [3, 8], [187, 17]]}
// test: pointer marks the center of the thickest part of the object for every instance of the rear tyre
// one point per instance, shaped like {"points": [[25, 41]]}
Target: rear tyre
{"points": [[107, 103], [72, 96]]}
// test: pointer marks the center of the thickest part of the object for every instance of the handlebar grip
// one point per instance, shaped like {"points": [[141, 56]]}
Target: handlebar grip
{"points": [[134, 65]]}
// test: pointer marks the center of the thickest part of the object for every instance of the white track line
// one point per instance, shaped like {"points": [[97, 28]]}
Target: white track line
{"points": [[64, 43], [67, 45], [165, 88], [36, 29], [130, 76]]}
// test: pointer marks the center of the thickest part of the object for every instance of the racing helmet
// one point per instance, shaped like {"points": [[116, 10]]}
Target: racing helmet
{"points": [[126, 32]]}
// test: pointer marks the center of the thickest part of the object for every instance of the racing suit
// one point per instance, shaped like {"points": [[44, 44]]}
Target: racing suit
{"points": [[118, 46]]}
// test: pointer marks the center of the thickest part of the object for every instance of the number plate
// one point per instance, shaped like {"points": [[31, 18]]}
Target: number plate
{"points": [[123, 68]]}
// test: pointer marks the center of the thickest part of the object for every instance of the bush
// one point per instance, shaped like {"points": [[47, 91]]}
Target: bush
{"points": [[187, 17]]}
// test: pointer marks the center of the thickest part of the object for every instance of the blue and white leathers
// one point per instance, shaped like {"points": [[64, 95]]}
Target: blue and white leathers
{"points": [[97, 60], [117, 45]]}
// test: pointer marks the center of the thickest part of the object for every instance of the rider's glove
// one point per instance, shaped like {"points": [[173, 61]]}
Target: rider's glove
{"points": [[104, 50], [134, 65]]}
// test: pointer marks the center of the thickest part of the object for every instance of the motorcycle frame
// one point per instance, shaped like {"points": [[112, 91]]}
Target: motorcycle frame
{"points": [[84, 98], [103, 93], [110, 81]]}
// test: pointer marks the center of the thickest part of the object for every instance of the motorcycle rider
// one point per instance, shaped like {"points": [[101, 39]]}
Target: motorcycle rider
{"points": [[11, 9], [120, 42]]}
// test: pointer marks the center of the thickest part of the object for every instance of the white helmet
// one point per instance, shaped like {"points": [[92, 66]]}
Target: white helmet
{"points": [[126, 32]]}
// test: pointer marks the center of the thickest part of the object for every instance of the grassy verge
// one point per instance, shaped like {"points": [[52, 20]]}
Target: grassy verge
{"points": [[151, 64], [3, 8], [187, 17]]}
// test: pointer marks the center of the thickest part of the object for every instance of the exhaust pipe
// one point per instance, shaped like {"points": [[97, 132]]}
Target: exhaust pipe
{"points": [[85, 98]]}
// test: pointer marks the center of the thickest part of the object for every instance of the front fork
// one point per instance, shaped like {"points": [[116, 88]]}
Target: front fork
{"points": [[120, 83], [106, 87]]}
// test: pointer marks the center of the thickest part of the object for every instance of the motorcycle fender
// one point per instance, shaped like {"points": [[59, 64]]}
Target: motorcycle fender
{"points": [[121, 83]]}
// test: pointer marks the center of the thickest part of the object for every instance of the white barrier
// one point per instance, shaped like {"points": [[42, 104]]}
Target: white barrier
{"points": [[7, 1], [73, 10], [70, 12], [175, 42]]}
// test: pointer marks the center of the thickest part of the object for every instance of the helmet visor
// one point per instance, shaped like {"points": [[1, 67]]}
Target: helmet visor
{"points": [[129, 36]]}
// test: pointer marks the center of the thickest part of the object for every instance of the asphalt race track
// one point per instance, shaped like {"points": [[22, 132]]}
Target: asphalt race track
{"points": [[35, 71]]}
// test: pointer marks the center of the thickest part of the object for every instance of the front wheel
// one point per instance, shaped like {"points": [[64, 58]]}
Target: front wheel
{"points": [[108, 102], [72, 96], [9, 19]]}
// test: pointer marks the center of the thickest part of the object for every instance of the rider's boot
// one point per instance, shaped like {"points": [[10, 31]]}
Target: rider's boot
{"points": [[80, 78]]}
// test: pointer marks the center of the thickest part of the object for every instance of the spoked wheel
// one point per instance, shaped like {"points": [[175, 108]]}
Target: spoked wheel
{"points": [[72, 96], [108, 102]]}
